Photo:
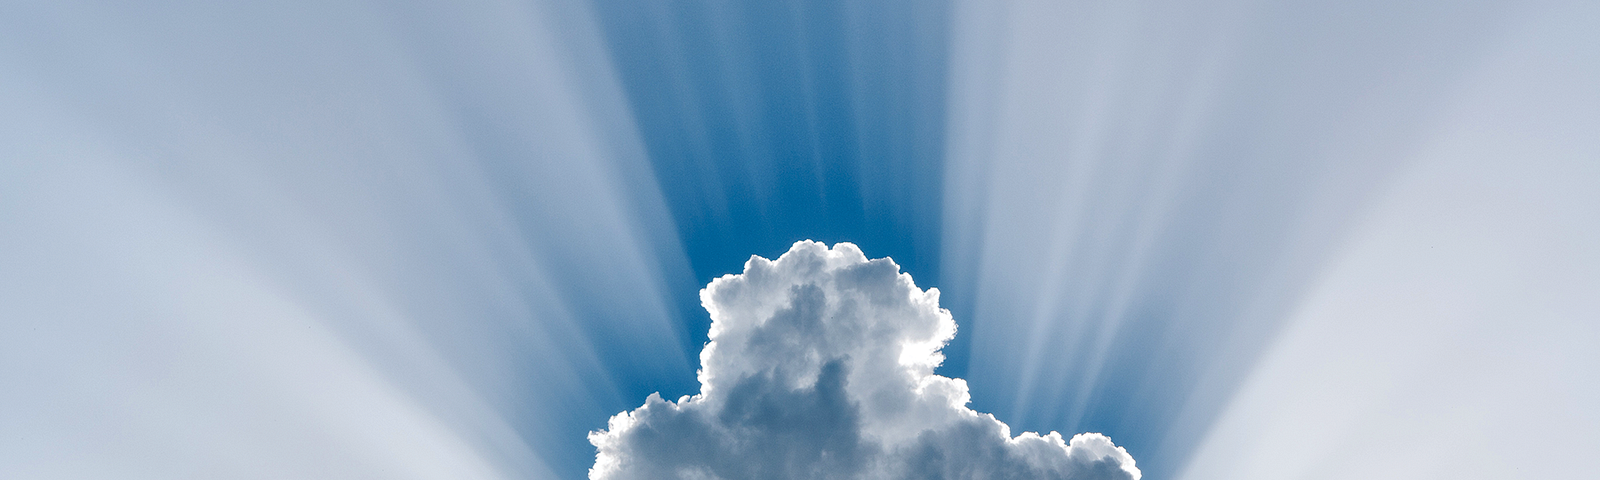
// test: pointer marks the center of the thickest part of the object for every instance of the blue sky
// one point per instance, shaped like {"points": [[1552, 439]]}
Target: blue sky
{"points": [[771, 123], [344, 239]]}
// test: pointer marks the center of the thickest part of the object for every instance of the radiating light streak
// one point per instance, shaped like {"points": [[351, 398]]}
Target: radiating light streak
{"points": [[1137, 194], [1454, 335], [329, 240]]}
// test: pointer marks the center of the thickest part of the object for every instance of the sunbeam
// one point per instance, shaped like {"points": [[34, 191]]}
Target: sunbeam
{"points": [[421, 239], [1452, 337], [1138, 193], [328, 240]]}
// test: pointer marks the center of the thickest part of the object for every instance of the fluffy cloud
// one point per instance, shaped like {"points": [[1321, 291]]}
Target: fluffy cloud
{"points": [[820, 365]]}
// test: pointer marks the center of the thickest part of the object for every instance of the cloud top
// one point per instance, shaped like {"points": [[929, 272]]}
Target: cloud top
{"points": [[820, 365]]}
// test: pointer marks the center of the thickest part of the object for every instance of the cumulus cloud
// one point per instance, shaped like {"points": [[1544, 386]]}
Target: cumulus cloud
{"points": [[821, 365]]}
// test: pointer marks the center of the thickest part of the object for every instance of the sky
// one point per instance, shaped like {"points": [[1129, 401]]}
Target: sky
{"points": [[347, 239]]}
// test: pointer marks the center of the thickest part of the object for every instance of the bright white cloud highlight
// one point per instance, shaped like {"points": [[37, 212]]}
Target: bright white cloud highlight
{"points": [[821, 365]]}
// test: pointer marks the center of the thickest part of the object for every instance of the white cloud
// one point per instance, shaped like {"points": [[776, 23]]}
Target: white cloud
{"points": [[820, 365]]}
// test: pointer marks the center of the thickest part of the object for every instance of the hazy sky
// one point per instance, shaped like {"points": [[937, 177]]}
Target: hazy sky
{"points": [[421, 239]]}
